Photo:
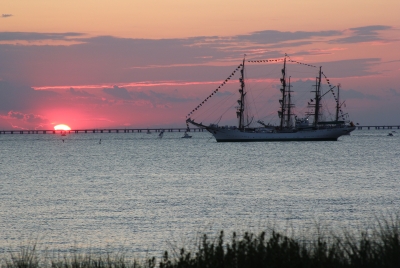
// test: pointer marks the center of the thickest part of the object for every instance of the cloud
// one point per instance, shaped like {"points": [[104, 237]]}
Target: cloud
{"points": [[394, 92], [29, 118], [370, 30], [14, 97], [224, 93], [118, 92], [354, 94], [17, 115], [332, 69], [32, 36], [79, 93], [128, 60], [363, 34], [134, 73], [274, 37], [36, 119], [350, 68], [161, 97], [6, 15]]}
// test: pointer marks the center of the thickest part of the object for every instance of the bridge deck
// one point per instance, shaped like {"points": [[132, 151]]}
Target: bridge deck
{"points": [[108, 130], [140, 130], [378, 127]]}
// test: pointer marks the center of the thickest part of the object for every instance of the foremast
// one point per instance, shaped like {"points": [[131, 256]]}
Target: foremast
{"points": [[240, 109], [285, 111], [241, 101], [317, 98]]}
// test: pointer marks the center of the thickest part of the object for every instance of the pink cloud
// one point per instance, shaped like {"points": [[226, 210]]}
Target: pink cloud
{"points": [[22, 120], [108, 81]]}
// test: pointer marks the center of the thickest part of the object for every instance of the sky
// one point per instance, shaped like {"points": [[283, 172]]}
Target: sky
{"points": [[142, 64]]}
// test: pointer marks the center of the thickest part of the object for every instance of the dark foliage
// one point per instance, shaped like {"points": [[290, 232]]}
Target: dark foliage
{"points": [[377, 248]]}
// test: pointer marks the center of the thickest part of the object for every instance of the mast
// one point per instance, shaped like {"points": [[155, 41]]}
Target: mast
{"points": [[282, 101], [240, 109], [337, 103], [317, 98], [289, 105]]}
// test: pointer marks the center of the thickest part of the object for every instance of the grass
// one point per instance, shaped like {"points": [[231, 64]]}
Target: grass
{"points": [[379, 247]]}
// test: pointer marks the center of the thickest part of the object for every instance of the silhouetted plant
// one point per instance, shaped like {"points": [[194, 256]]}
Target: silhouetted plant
{"points": [[379, 247]]}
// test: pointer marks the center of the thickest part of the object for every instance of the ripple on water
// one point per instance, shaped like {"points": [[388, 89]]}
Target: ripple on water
{"points": [[137, 191]]}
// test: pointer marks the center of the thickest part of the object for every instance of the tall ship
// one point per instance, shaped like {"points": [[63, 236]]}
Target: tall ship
{"points": [[311, 126]]}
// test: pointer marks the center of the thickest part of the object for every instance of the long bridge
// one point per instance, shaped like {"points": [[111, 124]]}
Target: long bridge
{"points": [[140, 130], [378, 127], [108, 130]]}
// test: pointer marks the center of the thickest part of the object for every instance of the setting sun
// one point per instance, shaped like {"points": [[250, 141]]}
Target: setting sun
{"points": [[62, 127]]}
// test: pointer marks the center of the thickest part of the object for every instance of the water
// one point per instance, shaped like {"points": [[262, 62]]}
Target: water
{"points": [[142, 193]]}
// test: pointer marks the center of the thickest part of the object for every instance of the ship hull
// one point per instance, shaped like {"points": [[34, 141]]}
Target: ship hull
{"points": [[234, 135]]}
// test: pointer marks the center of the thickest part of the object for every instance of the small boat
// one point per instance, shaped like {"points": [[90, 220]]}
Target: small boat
{"points": [[186, 136], [390, 134], [161, 134]]}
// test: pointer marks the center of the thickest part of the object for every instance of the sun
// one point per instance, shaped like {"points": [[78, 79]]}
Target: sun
{"points": [[62, 127]]}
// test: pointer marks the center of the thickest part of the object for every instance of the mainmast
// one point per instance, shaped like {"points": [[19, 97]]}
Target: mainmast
{"points": [[282, 101], [289, 106], [240, 109], [317, 98], [338, 103]]}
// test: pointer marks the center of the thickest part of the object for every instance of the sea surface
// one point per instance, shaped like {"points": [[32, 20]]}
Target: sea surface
{"points": [[137, 193]]}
